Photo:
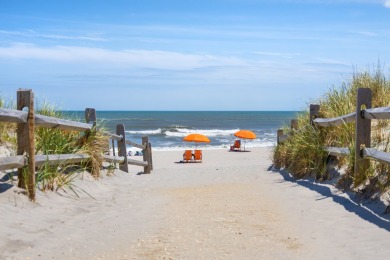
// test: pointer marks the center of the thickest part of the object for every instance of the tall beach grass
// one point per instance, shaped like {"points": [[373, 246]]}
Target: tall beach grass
{"points": [[54, 141], [7, 130], [303, 154]]}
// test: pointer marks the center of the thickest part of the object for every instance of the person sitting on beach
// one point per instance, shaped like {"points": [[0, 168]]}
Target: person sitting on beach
{"points": [[236, 145]]}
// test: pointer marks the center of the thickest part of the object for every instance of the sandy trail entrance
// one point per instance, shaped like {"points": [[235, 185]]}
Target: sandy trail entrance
{"points": [[231, 206]]}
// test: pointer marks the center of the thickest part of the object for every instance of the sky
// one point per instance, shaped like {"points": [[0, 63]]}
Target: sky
{"points": [[223, 55]]}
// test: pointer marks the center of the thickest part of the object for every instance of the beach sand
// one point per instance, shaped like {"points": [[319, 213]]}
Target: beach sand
{"points": [[230, 206]]}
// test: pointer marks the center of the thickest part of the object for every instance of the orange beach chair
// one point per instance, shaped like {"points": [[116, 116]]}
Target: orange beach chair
{"points": [[187, 156], [198, 155], [236, 146]]}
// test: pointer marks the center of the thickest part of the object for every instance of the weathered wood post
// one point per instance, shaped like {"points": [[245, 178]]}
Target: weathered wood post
{"points": [[120, 130], [90, 116], [279, 135], [314, 112], [113, 146], [146, 154], [26, 141], [363, 133], [150, 156], [294, 125]]}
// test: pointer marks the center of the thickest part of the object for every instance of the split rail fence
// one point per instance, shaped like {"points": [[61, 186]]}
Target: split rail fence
{"points": [[26, 157], [362, 118]]}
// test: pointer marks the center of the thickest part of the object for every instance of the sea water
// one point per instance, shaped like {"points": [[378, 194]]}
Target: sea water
{"points": [[166, 129]]}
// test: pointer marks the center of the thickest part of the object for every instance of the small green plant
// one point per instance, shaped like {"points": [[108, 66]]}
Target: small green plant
{"points": [[111, 168]]}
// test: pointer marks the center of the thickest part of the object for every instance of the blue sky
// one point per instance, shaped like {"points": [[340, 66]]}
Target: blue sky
{"points": [[188, 55]]}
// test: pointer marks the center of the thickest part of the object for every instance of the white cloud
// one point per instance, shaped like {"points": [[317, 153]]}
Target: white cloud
{"points": [[387, 3], [33, 34], [134, 58], [278, 54]]}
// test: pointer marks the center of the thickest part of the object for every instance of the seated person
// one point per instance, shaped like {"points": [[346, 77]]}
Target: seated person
{"points": [[236, 145]]}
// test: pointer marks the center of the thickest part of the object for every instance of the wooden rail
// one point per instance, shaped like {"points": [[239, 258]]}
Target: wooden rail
{"points": [[335, 121], [27, 121], [362, 118], [15, 116], [120, 138], [7, 163], [146, 147], [12, 162], [376, 155], [337, 151], [376, 113], [373, 113]]}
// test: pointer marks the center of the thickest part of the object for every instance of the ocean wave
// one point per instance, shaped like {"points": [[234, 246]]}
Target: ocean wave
{"points": [[146, 132], [181, 132], [177, 131], [212, 147]]}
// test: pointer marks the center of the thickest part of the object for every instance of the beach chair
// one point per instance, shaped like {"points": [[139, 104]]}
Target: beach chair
{"points": [[198, 155], [187, 156], [236, 146]]}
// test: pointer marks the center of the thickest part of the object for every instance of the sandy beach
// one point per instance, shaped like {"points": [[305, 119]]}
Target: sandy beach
{"points": [[231, 206]]}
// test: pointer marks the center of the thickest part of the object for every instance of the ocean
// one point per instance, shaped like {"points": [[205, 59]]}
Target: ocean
{"points": [[166, 129]]}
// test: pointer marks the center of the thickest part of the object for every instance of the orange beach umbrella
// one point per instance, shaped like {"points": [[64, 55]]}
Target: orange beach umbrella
{"points": [[198, 138], [245, 134]]}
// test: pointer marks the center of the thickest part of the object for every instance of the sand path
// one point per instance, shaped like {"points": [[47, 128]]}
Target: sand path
{"points": [[231, 206]]}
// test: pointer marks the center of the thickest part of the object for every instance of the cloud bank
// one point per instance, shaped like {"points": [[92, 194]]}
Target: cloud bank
{"points": [[135, 58]]}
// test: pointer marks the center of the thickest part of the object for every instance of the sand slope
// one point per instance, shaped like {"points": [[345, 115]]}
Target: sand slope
{"points": [[231, 206]]}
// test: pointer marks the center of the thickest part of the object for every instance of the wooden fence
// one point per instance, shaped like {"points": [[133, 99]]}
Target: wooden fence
{"points": [[362, 118], [26, 157]]}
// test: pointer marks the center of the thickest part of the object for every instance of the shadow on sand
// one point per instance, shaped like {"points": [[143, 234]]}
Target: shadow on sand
{"points": [[372, 211], [5, 183]]}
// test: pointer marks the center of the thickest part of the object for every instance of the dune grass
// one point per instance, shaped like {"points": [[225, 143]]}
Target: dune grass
{"points": [[7, 130], [53, 141], [303, 154]]}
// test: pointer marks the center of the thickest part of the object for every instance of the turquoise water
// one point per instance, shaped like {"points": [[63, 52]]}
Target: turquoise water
{"points": [[166, 129]]}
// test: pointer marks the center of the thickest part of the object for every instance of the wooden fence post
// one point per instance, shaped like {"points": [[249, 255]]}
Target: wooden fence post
{"points": [[113, 146], [278, 135], [26, 141], [150, 156], [294, 125], [363, 132], [314, 112], [90, 115], [146, 154], [120, 130]]}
